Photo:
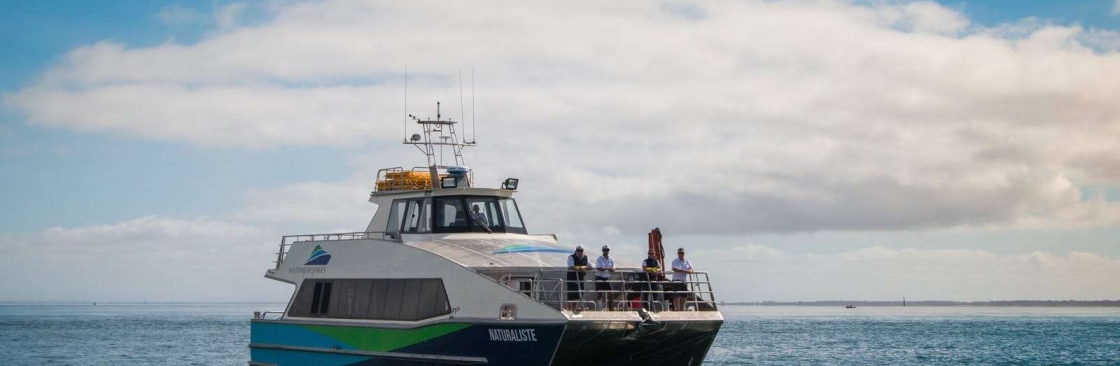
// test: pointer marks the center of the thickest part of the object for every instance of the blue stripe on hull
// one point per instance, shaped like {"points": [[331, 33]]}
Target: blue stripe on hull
{"points": [[287, 344], [283, 357]]}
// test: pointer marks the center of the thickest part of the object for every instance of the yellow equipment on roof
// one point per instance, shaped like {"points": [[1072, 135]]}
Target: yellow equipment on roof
{"points": [[394, 180]]}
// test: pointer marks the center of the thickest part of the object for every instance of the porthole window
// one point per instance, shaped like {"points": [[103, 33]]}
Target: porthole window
{"points": [[508, 312]]}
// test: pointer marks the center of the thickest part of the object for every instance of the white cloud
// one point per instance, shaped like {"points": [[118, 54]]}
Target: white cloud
{"points": [[227, 16], [880, 273], [730, 117], [341, 205], [177, 14], [151, 258], [923, 17]]}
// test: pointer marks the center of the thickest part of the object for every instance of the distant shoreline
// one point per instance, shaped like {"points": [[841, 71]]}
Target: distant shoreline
{"points": [[137, 303], [1010, 303]]}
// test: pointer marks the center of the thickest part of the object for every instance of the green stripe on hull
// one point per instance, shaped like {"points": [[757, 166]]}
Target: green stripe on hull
{"points": [[384, 340]]}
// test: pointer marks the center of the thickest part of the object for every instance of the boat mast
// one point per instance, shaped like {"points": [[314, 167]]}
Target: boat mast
{"points": [[438, 133]]}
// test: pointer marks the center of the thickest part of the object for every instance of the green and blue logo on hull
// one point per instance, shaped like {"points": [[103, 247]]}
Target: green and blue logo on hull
{"points": [[529, 248], [319, 257]]}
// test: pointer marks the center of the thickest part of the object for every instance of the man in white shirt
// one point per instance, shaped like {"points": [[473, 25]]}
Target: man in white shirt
{"points": [[681, 269], [604, 266]]}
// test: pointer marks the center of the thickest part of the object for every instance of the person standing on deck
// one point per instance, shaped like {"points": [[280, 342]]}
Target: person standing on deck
{"points": [[650, 270], [604, 267], [577, 270], [681, 269]]}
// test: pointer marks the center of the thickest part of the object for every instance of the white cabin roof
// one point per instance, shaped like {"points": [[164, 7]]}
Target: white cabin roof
{"points": [[509, 251]]}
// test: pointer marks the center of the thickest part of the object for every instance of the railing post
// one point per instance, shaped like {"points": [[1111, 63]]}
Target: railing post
{"points": [[280, 254]]}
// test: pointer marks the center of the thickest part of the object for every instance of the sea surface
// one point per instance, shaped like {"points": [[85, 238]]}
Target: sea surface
{"points": [[218, 334]]}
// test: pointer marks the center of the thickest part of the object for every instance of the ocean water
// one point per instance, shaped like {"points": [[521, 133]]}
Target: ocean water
{"points": [[917, 336], [218, 334]]}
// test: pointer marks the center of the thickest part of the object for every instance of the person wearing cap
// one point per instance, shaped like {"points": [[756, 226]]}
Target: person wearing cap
{"points": [[604, 266], [577, 270], [681, 269], [651, 268]]}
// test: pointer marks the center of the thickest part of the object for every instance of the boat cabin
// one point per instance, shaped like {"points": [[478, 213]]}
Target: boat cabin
{"points": [[419, 209]]}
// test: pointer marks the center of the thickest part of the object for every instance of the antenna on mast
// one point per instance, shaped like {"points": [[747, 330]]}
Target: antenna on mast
{"points": [[435, 135], [474, 134], [406, 104], [462, 110]]}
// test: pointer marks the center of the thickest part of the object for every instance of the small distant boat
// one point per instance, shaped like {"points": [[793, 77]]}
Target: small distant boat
{"points": [[850, 307]]}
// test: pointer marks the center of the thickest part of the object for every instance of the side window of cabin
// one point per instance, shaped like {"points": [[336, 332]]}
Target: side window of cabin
{"points": [[313, 299], [412, 218], [408, 299], [512, 216], [426, 219], [396, 216]]}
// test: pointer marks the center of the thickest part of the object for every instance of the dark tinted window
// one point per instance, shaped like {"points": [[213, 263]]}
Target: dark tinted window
{"points": [[459, 214], [450, 216], [320, 298], [385, 299]]}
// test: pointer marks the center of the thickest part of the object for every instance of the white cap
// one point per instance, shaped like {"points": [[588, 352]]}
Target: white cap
{"points": [[579, 247], [606, 247]]}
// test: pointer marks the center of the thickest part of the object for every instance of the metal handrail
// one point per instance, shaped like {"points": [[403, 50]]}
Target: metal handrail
{"points": [[553, 292], [264, 314], [288, 240]]}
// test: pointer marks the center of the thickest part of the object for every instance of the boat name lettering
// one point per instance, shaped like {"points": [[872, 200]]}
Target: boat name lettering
{"points": [[307, 270], [513, 335]]}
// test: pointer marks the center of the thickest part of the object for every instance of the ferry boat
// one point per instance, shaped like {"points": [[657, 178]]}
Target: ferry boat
{"points": [[447, 273]]}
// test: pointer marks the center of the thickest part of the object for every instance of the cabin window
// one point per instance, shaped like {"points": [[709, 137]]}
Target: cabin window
{"points": [[408, 299], [458, 214], [396, 216], [413, 218], [484, 211], [321, 298], [426, 219], [451, 217], [512, 216]]}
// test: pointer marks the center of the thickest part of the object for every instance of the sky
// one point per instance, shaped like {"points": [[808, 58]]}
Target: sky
{"points": [[799, 150]]}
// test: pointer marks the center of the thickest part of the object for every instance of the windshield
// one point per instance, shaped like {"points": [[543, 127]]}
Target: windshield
{"points": [[457, 214]]}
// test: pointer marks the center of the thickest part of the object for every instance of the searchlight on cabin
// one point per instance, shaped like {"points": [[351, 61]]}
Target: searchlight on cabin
{"points": [[510, 184], [448, 182]]}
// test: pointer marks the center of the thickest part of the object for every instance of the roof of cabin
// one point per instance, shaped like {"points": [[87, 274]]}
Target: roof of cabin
{"points": [[523, 251]]}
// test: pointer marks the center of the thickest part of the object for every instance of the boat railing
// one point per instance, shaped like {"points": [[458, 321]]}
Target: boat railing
{"points": [[264, 314], [626, 293], [287, 241]]}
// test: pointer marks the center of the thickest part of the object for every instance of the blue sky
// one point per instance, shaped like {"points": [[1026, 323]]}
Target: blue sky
{"points": [[86, 175], [62, 168], [74, 178]]}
